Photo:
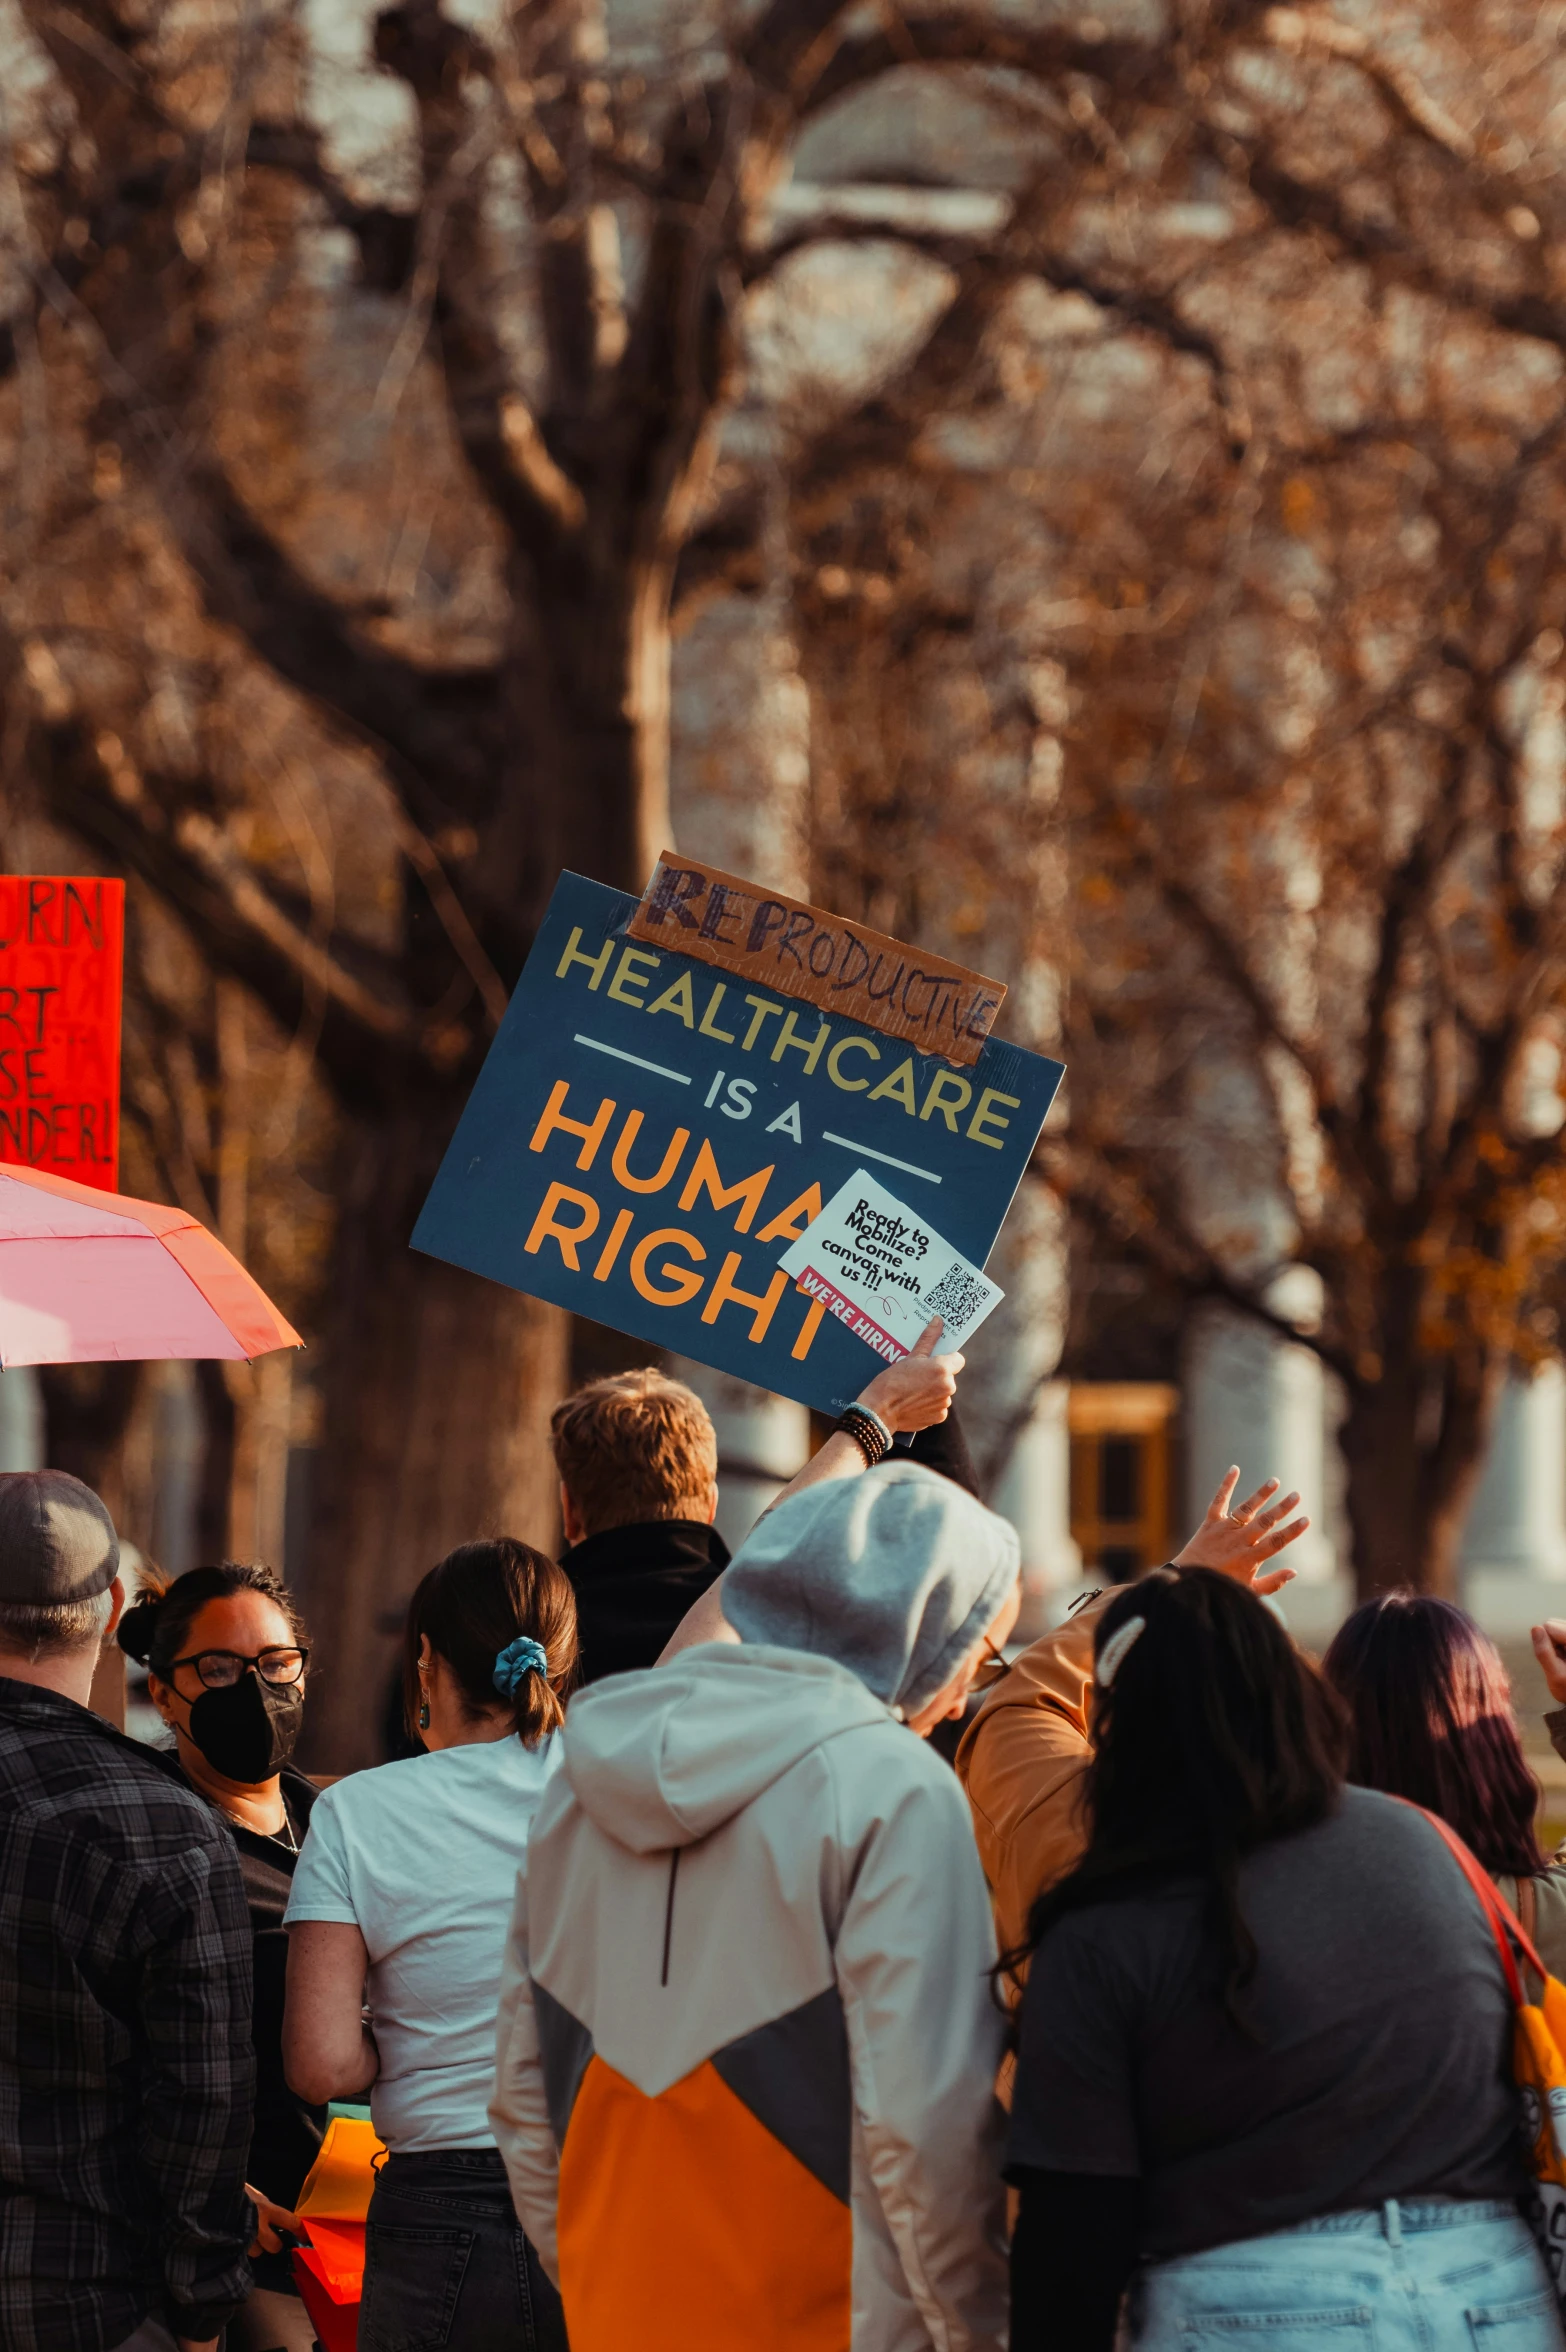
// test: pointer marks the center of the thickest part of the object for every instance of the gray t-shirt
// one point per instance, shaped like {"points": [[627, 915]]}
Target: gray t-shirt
{"points": [[1381, 2064]]}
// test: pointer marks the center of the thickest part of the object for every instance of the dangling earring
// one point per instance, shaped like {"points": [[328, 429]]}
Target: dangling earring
{"points": [[424, 1705]]}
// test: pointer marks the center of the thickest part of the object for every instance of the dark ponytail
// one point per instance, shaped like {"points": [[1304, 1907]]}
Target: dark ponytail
{"points": [[479, 1600], [155, 1628]]}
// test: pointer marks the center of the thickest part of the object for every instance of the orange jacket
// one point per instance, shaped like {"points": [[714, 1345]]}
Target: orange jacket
{"points": [[1022, 1761]]}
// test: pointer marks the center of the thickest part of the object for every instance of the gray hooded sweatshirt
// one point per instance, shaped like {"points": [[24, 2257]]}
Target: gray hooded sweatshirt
{"points": [[895, 1576], [747, 2045]]}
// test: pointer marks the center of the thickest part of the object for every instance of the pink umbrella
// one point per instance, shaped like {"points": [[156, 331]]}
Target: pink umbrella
{"points": [[93, 1277]]}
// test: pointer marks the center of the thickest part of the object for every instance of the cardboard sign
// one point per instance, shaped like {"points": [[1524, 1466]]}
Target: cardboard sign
{"points": [[647, 1135], [61, 961], [849, 971], [884, 1271]]}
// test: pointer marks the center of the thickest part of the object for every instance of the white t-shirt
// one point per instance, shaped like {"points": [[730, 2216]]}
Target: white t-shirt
{"points": [[422, 1857]]}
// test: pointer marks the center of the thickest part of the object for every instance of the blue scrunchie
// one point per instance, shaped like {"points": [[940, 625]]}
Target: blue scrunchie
{"points": [[516, 1661]]}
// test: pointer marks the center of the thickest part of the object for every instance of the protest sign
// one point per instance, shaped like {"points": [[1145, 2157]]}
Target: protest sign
{"points": [[61, 956], [650, 1132], [884, 1271], [845, 968]]}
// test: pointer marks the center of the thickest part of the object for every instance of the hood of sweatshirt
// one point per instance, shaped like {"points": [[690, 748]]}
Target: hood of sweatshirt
{"points": [[895, 1575], [664, 1758]]}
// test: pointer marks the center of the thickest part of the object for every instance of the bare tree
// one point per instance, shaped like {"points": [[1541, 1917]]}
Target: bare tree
{"points": [[548, 327], [1292, 430], [1341, 915], [170, 308]]}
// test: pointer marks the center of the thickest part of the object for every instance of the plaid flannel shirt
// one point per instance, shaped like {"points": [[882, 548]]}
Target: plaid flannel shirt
{"points": [[126, 2071]]}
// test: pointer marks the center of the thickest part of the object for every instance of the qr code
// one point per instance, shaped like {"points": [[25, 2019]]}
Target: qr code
{"points": [[956, 1298]]}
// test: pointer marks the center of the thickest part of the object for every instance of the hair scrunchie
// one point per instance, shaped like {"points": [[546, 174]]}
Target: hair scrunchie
{"points": [[516, 1662]]}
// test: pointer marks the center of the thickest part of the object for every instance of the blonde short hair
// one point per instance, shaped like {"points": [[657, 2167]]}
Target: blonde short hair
{"points": [[635, 1446]]}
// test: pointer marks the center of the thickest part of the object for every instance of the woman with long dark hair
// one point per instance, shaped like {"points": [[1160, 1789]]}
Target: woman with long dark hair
{"points": [[397, 1930], [1263, 2079], [226, 1659], [1430, 1719]]}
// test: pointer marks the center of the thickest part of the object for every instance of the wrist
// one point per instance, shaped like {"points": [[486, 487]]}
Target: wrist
{"points": [[879, 1398], [868, 1430], [865, 1405]]}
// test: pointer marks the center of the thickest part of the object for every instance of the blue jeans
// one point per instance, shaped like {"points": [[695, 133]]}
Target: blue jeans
{"points": [[447, 2268], [1437, 2277]]}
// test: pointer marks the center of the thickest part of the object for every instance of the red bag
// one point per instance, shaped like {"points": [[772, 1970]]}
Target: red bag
{"points": [[335, 2322], [329, 2271]]}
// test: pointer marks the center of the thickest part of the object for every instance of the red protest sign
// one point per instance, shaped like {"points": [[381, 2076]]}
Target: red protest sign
{"points": [[62, 945]]}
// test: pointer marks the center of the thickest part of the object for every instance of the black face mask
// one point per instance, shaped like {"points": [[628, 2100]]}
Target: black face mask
{"points": [[248, 1731]]}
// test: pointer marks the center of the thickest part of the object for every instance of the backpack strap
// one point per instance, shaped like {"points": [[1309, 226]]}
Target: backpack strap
{"points": [[1504, 1925], [1527, 1908]]}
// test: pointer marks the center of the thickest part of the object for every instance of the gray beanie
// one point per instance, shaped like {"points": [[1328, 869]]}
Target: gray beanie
{"points": [[895, 1575]]}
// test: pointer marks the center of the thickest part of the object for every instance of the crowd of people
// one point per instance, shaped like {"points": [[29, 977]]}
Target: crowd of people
{"points": [[699, 2001]]}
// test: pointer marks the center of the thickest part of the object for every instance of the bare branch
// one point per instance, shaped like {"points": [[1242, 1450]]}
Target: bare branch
{"points": [[1390, 249], [372, 1041], [790, 44], [1145, 71], [1405, 902], [1304, 31], [502, 441], [385, 237], [883, 428], [439, 731], [208, 847], [453, 918], [725, 555], [1152, 1223]]}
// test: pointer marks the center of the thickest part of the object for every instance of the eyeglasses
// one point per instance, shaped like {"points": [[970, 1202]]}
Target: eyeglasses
{"points": [[990, 1668], [221, 1669]]}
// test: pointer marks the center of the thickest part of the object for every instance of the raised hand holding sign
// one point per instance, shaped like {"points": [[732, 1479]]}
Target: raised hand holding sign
{"points": [[917, 1391]]}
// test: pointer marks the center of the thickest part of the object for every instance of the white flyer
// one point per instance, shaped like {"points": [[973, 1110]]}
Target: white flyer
{"points": [[882, 1269]]}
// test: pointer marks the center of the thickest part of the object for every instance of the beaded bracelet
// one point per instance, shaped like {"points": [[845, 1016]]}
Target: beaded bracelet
{"points": [[868, 1431]]}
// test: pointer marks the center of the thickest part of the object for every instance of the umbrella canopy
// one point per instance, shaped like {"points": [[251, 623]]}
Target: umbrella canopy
{"points": [[93, 1277]]}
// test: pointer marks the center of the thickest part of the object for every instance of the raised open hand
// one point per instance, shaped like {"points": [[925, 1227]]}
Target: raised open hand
{"points": [[918, 1389], [1238, 1543]]}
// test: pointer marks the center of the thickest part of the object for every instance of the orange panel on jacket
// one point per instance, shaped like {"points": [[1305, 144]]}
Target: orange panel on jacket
{"points": [[722, 2240]]}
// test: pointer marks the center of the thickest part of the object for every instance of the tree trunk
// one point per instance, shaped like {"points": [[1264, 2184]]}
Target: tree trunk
{"points": [[215, 1492], [437, 1386], [589, 704], [1413, 1447], [87, 1413], [437, 1389]]}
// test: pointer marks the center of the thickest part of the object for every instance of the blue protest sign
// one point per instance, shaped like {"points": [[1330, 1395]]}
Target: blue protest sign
{"points": [[648, 1135]]}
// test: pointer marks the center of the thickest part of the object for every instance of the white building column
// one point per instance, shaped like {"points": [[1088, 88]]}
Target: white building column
{"points": [[762, 1440], [21, 1419], [1259, 1400], [1033, 1491], [1014, 1409], [1514, 1549]]}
